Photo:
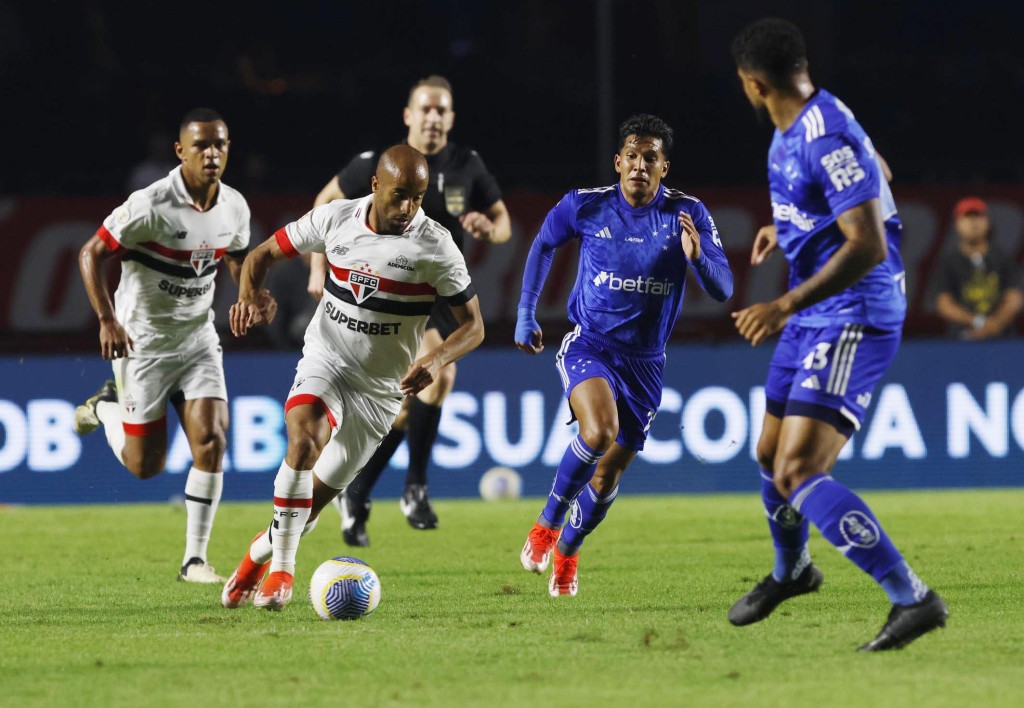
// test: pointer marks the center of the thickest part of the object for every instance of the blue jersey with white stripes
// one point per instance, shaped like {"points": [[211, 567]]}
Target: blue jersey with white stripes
{"points": [[632, 271], [818, 168]]}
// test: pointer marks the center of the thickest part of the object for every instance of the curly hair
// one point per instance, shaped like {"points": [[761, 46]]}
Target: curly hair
{"points": [[773, 46], [646, 125]]}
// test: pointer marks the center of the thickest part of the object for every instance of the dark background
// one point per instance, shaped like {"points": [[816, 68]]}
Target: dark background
{"points": [[91, 88]]}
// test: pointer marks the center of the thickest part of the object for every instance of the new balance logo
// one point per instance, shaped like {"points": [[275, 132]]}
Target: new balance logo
{"points": [[603, 233], [339, 250], [181, 234], [811, 382]]}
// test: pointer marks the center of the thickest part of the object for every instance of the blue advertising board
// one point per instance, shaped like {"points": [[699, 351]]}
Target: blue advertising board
{"points": [[947, 414]]}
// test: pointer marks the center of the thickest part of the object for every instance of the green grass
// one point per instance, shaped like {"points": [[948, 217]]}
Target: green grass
{"points": [[93, 614]]}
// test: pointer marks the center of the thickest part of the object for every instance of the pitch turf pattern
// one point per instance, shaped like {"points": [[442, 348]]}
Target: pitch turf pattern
{"points": [[97, 619]]}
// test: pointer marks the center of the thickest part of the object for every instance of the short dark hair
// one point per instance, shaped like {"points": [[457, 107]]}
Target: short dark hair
{"points": [[432, 81], [646, 125], [199, 115], [773, 46]]}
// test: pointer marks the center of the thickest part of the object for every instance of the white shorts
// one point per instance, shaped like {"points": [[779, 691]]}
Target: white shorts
{"points": [[145, 383], [359, 421]]}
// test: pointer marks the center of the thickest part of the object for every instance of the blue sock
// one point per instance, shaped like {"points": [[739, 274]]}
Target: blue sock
{"points": [[789, 532], [574, 471], [588, 510], [848, 524]]}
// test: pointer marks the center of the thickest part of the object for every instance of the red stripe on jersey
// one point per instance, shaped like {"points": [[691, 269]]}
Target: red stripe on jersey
{"points": [[385, 285], [306, 503], [285, 243], [303, 399], [177, 254], [143, 429], [108, 238]]}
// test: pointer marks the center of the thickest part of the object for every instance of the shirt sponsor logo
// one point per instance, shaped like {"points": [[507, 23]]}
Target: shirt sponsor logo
{"points": [[373, 328], [789, 212], [402, 263], [639, 284], [185, 291]]}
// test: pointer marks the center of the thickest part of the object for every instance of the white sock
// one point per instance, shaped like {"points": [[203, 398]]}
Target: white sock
{"points": [[109, 414], [261, 550], [293, 501], [202, 495]]}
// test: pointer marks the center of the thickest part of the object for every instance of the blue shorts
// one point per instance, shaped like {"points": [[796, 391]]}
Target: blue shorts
{"points": [[828, 373], [635, 381]]}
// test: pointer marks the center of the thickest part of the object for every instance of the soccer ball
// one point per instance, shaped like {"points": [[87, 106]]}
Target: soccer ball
{"points": [[344, 588], [500, 483]]}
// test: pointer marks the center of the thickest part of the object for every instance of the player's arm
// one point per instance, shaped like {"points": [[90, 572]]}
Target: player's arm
{"points": [[114, 340], [265, 301], [886, 171], [462, 341], [252, 307], [558, 228], [703, 250], [318, 261], [865, 247], [493, 224], [952, 311]]}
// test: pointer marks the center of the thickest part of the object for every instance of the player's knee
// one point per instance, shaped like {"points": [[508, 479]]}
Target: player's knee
{"points": [[790, 473], [145, 467], [303, 450], [599, 435], [210, 442]]}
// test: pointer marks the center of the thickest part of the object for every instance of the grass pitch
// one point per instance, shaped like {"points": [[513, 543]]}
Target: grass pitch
{"points": [[93, 614]]}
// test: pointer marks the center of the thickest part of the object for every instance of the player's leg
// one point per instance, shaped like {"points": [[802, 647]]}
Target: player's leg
{"points": [[588, 509], [424, 420], [814, 430], [586, 381], [205, 422]]}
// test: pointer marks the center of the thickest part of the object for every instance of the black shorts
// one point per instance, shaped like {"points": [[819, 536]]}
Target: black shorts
{"points": [[442, 319]]}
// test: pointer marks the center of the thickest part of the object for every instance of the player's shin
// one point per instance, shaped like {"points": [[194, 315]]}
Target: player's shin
{"points": [[789, 530], [848, 524], [202, 495], [424, 420], [109, 414], [293, 501], [574, 471], [588, 510]]}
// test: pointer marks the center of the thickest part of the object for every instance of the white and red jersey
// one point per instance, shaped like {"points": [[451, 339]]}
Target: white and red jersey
{"points": [[169, 253], [379, 291]]}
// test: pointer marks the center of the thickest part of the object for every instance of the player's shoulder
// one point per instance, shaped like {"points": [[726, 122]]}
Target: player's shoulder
{"points": [[233, 198], [676, 200], [339, 209], [827, 115], [584, 196], [432, 232]]}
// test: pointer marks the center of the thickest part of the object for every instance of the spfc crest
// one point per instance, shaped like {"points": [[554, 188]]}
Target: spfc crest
{"points": [[455, 200], [362, 285], [201, 260]]}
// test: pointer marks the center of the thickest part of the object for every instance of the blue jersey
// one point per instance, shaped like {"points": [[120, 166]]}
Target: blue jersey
{"points": [[818, 168], [632, 270]]}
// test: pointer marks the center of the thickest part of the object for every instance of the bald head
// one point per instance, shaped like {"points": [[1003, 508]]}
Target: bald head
{"points": [[398, 187], [401, 161]]}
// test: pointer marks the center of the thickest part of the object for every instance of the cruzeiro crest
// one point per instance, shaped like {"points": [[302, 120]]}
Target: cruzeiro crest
{"points": [[455, 200], [202, 259], [362, 285]]}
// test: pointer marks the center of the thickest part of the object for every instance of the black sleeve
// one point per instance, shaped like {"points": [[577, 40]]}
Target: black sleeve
{"points": [[354, 178], [485, 190]]}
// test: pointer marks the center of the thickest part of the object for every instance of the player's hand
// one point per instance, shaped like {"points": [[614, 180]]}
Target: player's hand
{"points": [[317, 275], [529, 336], [114, 340], [421, 374], [478, 225], [758, 322], [267, 304], [689, 236], [765, 243], [244, 315]]}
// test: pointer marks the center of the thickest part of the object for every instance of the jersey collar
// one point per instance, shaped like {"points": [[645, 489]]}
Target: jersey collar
{"points": [[644, 209], [181, 192]]}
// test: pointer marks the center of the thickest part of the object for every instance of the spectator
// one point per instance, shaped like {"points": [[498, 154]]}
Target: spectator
{"points": [[979, 286]]}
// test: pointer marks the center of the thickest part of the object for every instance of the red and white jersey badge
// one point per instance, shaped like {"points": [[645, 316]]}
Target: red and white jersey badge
{"points": [[362, 284], [202, 259]]}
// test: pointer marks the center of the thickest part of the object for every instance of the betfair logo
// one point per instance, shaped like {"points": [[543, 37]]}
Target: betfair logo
{"points": [[639, 284]]}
